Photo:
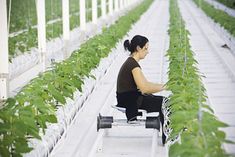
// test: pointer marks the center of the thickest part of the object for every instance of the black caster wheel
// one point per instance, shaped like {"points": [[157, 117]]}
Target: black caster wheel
{"points": [[104, 122]]}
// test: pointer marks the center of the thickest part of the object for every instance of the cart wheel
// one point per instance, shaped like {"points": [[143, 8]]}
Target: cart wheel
{"points": [[153, 122], [98, 122], [104, 122]]}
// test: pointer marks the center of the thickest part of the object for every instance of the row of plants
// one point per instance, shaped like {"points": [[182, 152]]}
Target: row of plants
{"points": [[23, 13], [219, 16], [194, 128], [23, 21], [26, 115], [228, 3]]}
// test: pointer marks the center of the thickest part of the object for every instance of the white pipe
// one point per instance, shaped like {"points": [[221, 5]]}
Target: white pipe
{"points": [[121, 4], [4, 65], [94, 11], [82, 15], [41, 31], [65, 16], [110, 7], [103, 8], [116, 5], [66, 29]]}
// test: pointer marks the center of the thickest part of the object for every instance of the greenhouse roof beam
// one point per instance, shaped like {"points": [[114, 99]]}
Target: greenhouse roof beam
{"points": [[4, 67], [121, 4], [82, 15], [116, 5], [103, 8], [40, 4], [110, 7], [94, 11], [66, 27]]}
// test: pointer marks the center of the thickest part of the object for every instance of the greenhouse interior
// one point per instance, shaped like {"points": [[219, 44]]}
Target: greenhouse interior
{"points": [[117, 78]]}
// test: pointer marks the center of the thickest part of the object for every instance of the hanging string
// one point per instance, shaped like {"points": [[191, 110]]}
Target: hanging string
{"points": [[28, 14], [58, 17], [77, 23], [200, 116], [9, 17], [28, 24], [180, 35], [52, 18], [181, 45], [185, 53], [200, 111]]}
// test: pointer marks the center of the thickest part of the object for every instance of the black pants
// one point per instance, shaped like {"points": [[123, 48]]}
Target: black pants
{"points": [[151, 103]]}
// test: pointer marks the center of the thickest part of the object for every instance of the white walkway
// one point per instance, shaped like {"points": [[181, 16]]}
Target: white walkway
{"points": [[216, 63], [81, 138]]}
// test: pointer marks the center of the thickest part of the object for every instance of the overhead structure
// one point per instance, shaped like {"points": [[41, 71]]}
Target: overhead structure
{"points": [[4, 67], [40, 5], [94, 11], [116, 5], [66, 27], [103, 8], [82, 15], [110, 7]]}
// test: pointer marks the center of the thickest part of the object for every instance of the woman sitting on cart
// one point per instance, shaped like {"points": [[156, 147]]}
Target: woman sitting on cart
{"points": [[134, 91]]}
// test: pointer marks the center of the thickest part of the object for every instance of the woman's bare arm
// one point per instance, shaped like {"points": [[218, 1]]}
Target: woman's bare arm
{"points": [[143, 84]]}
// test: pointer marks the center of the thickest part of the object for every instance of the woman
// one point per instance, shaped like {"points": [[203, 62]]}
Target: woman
{"points": [[133, 89]]}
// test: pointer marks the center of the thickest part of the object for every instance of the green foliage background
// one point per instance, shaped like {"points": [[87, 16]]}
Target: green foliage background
{"points": [[191, 119], [26, 115], [23, 22], [219, 16], [228, 3]]}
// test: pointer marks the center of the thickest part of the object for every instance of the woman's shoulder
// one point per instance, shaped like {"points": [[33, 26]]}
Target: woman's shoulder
{"points": [[130, 64], [133, 62]]}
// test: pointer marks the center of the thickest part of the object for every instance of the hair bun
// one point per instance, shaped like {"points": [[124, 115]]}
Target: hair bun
{"points": [[127, 45]]}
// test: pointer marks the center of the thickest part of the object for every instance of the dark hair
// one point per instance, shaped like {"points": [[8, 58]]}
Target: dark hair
{"points": [[137, 40]]}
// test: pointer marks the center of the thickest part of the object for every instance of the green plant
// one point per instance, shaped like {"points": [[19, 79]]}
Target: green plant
{"points": [[228, 3], [219, 16], [191, 119], [23, 24], [25, 116]]}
